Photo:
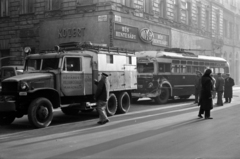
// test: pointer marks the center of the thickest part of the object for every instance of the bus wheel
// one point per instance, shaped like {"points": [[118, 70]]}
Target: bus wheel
{"points": [[111, 105], [69, 111], [7, 119], [163, 97], [184, 97], [123, 102], [40, 113]]}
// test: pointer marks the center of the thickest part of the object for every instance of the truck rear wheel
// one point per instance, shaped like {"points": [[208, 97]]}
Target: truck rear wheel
{"points": [[111, 105], [163, 97], [7, 119], [40, 113], [123, 102]]}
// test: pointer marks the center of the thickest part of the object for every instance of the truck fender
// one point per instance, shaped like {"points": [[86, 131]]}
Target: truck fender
{"points": [[48, 93], [167, 83]]}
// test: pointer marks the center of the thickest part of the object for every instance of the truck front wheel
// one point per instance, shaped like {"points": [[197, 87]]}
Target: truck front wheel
{"points": [[111, 105], [7, 119], [123, 102], [40, 113]]}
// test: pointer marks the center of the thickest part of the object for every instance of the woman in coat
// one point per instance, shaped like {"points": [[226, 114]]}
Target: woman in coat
{"points": [[206, 103]]}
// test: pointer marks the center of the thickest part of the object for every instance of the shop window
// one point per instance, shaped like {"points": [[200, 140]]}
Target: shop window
{"points": [[4, 8], [109, 58], [53, 4], [27, 6]]}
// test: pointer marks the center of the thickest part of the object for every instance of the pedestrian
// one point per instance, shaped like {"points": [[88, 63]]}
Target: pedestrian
{"points": [[197, 86], [214, 86], [205, 102], [102, 95], [219, 89], [229, 83]]}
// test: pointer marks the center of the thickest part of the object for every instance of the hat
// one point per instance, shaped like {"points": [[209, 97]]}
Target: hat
{"points": [[104, 74]]}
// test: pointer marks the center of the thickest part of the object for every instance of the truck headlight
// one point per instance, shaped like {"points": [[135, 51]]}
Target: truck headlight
{"points": [[23, 86]]}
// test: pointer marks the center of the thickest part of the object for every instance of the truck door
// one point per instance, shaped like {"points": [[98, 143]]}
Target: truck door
{"points": [[72, 76], [88, 76]]}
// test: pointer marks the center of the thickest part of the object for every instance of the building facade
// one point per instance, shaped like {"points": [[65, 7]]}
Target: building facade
{"points": [[209, 27]]}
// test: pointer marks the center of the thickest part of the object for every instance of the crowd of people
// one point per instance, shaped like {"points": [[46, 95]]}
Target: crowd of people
{"points": [[207, 87]]}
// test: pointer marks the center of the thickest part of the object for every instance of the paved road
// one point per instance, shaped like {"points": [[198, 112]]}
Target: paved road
{"points": [[171, 131]]}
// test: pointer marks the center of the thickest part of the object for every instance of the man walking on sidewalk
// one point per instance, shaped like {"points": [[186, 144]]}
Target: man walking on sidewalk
{"points": [[229, 83], [219, 89]]}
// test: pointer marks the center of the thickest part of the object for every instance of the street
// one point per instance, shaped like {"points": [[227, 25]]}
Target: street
{"points": [[171, 131]]}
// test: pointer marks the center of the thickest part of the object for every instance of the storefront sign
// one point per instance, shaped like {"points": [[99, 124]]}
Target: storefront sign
{"points": [[146, 35], [160, 39], [70, 32], [125, 32], [102, 18]]}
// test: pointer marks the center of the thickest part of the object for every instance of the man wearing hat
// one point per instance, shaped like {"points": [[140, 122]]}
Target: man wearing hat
{"points": [[229, 83], [219, 89], [102, 95]]}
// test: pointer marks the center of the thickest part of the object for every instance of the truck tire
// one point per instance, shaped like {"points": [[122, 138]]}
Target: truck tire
{"points": [[7, 119], [70, 111], [112, 105], [163, 97], [40, 113], [123, 102]]}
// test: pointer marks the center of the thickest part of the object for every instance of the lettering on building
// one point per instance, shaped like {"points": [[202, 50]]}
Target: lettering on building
{"points": [[125, 32], [70, 32]]}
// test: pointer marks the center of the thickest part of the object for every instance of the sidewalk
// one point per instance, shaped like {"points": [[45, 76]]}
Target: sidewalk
{"points": [[236, 87]]}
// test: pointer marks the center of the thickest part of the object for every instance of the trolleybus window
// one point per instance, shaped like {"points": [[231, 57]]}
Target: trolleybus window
{"points": [[145, 67], [164, 67]]}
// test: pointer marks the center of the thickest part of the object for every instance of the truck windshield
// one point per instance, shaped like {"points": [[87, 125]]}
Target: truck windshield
{"points": [[47, 64]]}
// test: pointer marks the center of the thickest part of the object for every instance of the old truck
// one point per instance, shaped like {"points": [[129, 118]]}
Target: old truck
{"points": [[64, 78]]}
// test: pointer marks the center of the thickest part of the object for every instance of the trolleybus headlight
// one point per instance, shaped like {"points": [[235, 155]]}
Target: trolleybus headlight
{"points": [[150, 85]]}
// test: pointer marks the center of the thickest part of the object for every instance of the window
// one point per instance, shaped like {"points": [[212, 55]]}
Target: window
{"points": [[129, 59], [237, 32], [158, 7], [199, 16], [109, 58], [217, 24], [189, 69], [230, 30], [119, 1], [27, 6], [225, 33], [33, 63], [164, 67], [139, 5], [50, 64], [72, 64], [4, 8], [176, 11], [53, 4], [207, 20], [175, 68], [188, 13], [145, 68]]}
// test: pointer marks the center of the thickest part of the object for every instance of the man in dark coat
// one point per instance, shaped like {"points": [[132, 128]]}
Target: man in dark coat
{"points": [[197, 86], [229, 83], [219, 88], [206, 103], [102, 95]]}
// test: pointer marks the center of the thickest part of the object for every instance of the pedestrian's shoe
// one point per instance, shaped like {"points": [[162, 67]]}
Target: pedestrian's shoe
{"points": [[103, 122], [200, 116], [208, 118]]}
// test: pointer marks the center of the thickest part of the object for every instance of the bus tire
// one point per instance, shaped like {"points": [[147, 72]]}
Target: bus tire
{"points": [[123, 102], [70, 111], [163, 97], [111, 105], [7, 119], [40, 113]]}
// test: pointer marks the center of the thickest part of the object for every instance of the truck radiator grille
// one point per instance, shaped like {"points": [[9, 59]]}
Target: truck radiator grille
{"points": [[9, 86]]}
